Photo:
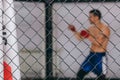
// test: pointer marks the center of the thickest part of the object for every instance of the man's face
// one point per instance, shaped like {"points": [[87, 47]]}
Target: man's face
{"points": [[92, 18]]}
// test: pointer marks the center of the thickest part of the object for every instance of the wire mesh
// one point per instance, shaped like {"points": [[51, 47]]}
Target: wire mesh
{"points": [[68, 53], [31, 38]]}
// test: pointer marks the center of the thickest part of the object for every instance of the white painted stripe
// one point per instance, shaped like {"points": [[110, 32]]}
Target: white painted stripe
{"points": [[1, 41], [104, 65], [11, 49]]}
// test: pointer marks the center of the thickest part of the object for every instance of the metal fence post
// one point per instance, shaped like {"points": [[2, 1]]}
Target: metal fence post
{"points": [[48, 30]]}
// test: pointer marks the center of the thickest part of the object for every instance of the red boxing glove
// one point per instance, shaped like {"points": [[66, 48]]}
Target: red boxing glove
{"points": [[72, 28], [84, 34]]}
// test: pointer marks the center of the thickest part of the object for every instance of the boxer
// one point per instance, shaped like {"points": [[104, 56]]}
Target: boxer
{"points": [[98, 34]]}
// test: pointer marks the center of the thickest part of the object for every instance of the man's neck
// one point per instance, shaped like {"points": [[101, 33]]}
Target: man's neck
{"points": [[98, 24]]}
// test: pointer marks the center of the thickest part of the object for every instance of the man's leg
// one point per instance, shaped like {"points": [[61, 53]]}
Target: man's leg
{"points": [[85, 68], [101, 69], [101, 77], [81, 73]]}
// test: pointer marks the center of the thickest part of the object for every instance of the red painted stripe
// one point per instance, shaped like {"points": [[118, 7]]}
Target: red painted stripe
{"points": [[7, 71]]}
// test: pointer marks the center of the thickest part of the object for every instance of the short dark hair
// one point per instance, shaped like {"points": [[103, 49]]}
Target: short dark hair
{"points": [[96, 12]]}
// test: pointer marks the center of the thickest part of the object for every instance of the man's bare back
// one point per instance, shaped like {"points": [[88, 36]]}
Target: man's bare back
{"points": [[99, 37]]}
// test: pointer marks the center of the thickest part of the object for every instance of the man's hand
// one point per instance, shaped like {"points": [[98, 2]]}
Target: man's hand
{"points": [[84, 34], [72, 28]]}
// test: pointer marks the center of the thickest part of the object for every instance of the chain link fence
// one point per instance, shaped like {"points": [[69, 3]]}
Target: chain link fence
{"points": [[30, 19], [70, 53], [47, 49]]}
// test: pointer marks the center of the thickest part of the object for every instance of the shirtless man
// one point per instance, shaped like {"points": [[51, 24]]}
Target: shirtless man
{"points": [[98, 34]]}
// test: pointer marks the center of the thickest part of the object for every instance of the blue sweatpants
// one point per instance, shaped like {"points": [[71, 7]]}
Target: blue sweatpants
{"points": [[93, 63]]}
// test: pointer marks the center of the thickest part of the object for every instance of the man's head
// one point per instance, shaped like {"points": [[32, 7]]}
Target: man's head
{"points": [[94, 16]]}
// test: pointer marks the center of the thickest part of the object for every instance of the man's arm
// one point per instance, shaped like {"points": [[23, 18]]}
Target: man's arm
{"points": [[79, 35]]}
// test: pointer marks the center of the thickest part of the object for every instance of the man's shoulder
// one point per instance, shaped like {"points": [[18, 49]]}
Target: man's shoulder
{"points": [[106, 29], [92, 26], [106, 26]]}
